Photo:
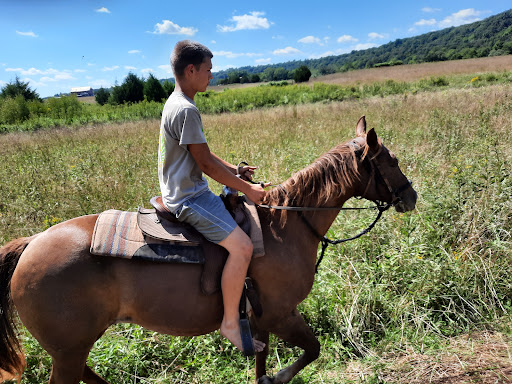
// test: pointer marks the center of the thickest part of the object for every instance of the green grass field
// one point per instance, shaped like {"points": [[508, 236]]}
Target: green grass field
{"points": [[408, 289]]}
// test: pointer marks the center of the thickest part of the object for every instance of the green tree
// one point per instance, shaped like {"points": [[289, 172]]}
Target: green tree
{"points": [[254, 78], [168, 87], [19, 88], [134, 88], [102, 96], [301, 74], [131, 91], [153, 89]]}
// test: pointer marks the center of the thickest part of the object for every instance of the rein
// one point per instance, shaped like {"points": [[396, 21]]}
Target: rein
{"points": [[325, 241]]}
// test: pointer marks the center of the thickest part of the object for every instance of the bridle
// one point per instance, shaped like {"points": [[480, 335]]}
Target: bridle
{"points": [[376, 173]]}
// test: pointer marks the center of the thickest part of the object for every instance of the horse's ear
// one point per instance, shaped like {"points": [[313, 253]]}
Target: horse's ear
{"points": [[372, 140], [361, 127]]}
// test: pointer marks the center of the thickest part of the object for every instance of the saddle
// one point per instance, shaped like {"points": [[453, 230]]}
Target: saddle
{"points": [[156, 235]]}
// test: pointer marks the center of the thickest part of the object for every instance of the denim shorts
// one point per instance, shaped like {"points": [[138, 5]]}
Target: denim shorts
{"points": [[208, 215]]}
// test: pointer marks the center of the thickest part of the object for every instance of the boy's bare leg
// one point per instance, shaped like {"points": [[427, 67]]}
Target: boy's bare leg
{"points": [[240, 247]]}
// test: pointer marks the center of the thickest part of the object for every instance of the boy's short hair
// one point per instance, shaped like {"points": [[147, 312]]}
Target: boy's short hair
{"points": [[188, 52]]}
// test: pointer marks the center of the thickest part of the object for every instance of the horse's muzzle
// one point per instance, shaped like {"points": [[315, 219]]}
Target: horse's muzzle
{"points": [[406, 201]]}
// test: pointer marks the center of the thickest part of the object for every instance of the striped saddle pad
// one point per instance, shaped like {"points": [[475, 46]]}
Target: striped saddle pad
{"points": [[145, 235], [117, 233]]}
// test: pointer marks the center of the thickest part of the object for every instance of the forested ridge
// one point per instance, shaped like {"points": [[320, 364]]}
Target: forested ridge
{"points": [[489, 37]]}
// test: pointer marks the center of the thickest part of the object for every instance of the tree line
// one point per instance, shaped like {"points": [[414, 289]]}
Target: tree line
{"points": [[489, 37], [135, 89]]}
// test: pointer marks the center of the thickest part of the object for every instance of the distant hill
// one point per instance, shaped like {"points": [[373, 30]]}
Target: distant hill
{"points": [[489, 37]]}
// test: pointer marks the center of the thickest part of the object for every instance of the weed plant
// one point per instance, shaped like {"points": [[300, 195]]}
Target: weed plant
{"points": [[417, 279]]}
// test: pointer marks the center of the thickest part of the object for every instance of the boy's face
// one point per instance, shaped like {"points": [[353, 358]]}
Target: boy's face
{"points": [[202, 77]]}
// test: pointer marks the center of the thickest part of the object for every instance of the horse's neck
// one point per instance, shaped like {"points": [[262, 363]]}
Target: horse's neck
{"points": [[320, 221]]}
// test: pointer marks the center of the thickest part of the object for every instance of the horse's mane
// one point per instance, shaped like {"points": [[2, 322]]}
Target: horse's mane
{"points": [[327, 178]]}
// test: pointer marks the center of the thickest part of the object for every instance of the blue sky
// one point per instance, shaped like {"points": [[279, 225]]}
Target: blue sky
{"points": [[59, 44]]}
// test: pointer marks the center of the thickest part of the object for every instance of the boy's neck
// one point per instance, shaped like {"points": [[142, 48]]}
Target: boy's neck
{"points": [[188, 91]]}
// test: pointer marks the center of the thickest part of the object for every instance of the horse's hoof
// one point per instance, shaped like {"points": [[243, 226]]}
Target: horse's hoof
{"points": [[265, 380]]}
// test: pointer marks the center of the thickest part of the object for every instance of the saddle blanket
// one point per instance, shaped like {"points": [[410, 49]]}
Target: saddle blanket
{"points": [[116, 233]]}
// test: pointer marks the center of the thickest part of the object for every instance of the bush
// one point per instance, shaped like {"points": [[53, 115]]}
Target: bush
{"points": [[102, 96], [65, 108], [13, 110], [301, 74]]}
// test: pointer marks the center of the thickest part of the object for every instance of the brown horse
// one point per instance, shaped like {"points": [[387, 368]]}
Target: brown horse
{"points": [[67, 297]]}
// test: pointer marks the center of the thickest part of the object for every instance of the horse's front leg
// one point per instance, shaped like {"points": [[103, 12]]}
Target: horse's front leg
{"points": [[295, 331]]}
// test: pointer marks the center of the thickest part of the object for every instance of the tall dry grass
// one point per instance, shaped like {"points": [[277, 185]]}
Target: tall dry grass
{"points": [[415, 280]]}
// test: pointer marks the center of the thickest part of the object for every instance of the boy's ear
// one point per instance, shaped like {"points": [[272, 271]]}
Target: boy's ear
{"points": [[189, 69]]}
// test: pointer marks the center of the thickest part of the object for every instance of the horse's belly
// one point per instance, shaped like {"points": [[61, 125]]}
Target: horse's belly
{"points": [[167, 298]]}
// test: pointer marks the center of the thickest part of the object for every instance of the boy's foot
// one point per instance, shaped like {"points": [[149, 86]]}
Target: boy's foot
{"points": [[232, 333]]}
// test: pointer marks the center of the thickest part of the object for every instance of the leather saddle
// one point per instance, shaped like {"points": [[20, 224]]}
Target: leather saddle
{"points": [[161, 224]]}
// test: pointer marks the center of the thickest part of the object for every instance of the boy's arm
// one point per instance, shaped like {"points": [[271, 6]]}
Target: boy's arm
{"points": [[246, 171], [223, 172], [233, 169]]}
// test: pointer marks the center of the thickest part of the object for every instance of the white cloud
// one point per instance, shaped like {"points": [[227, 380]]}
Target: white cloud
{"points": [[424, 22], [57, 75], [33, 82], [167, 27], [2, 83], [464, 16], [376, 36], [310, 40], [147, 70], [29, 34], [254, 20], [287, 51], [102, 10], [430, 10], [263, 61], [313, 40], [347, 39], [130, 68], [133, 51], [79, 70], [105, 69]]}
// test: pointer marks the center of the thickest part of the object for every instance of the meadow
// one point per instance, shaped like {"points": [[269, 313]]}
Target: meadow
{"points": [[425, 297]]}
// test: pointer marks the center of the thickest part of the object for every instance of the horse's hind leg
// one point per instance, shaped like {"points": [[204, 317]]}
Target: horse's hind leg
{"points": [[68, 367], [91, 377], [294, 330]]}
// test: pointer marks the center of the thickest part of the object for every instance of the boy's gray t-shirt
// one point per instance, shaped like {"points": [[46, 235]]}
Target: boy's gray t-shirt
{"points": [[178, 173]]}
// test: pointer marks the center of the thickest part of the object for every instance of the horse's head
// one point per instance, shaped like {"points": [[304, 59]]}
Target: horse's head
{"points": [[378, 166]]}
